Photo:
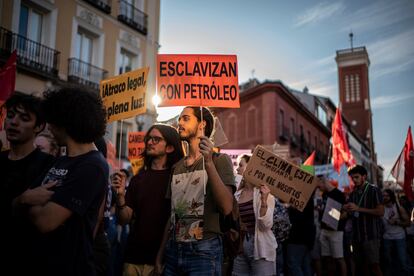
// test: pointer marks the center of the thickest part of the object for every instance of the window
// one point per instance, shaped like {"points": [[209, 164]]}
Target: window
{"points": [[281, 122], [347, 88], [30, 23], [126, 62], [316, 142], [357, 90], [309, 137], [292, 127], [302, 135], [352, 89], [84, 46], [251, 122], [322, 115]]}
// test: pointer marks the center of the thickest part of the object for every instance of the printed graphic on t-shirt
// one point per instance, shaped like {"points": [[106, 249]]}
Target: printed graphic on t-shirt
{"points": [[188, 205], [55, 174]]}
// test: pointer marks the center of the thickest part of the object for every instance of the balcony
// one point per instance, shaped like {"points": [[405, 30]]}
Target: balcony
{"points": [[133, 17], [83, 73], [103, 5], [32, 56]]}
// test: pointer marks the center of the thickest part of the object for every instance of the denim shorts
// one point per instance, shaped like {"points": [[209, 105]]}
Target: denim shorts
{"points": [[194, 258]]}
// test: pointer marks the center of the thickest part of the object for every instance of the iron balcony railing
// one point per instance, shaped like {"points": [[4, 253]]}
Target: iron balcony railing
{"points": [[133, 17], [31, 55], [83, 73], [103, 5]]}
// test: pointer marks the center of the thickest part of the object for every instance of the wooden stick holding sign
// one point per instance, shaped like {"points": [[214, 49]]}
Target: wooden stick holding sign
{"points": [[286, 181]]}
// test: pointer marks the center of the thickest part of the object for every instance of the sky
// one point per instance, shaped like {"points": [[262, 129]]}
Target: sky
{"points": [[296, 42]]}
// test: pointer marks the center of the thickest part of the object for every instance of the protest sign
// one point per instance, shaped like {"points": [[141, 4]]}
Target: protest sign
{"points": [[286, 181], [136, 164], [332, 213], [136, 144], [198, 80], [124, 95]]}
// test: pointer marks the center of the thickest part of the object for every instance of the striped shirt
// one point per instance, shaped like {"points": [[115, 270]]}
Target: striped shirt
{"points": [[365, 226], [247, 215]]}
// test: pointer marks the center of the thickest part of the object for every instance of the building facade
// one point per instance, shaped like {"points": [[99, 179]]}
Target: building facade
{"points": [[81, 42], [270, 115]]}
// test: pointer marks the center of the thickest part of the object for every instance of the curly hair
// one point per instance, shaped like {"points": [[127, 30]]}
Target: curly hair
{"points": [[80, 112], [29, 103], [172, 138]]}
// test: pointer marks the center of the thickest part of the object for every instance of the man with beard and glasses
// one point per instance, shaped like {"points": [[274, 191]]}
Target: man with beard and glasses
{"points": [[202, 187], [145, 199]]}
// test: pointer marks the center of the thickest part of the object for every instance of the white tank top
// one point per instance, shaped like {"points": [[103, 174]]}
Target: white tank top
{"points": [[392, 231]]}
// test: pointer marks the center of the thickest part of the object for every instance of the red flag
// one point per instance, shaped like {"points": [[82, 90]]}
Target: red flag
{"points": [[311, 159], [403, 169], [340, 150], [7, 83]]}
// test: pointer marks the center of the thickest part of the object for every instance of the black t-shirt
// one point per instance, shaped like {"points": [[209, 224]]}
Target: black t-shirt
{"points": [[81, 186], [338, 196], [17, 233], [146, 195]]}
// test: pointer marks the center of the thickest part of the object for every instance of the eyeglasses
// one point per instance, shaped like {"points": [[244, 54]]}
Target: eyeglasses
{"points": [[155, 139]]}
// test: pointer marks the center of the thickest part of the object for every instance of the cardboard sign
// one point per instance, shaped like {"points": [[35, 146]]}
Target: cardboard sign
{"points": [[136, 164], [198, 80], [124, 95], [286, 181], [136, 144], [332, 213]]}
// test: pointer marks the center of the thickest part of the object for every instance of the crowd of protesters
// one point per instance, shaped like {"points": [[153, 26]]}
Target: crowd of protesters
{"points": [[66, 213]]}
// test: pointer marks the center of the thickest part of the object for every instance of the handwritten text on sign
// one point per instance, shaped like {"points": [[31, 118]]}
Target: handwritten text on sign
{"points": [[285, 180], [136, 144], [124, 95], [198, 80]]}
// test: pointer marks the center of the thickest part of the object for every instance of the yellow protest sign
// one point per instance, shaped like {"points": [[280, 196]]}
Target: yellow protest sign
{"points": [[124, 95], [136, 164], [285, 180]]}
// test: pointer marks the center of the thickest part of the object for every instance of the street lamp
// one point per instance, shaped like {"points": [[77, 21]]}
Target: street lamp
{"points": [[140, 121]]}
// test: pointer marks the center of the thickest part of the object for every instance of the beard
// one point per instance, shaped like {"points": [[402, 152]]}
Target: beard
{"points": [[191, 133]]}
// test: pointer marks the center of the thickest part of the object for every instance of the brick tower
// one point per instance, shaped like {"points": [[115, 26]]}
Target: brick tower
{"points": [[354, 96]]}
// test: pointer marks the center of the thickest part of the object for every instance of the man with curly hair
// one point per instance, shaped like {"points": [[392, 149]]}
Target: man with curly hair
{"points": [[65, 207]]}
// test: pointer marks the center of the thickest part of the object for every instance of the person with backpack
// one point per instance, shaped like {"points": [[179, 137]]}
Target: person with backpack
{"points": [[201, 190], [256, 206], [281, 228]]}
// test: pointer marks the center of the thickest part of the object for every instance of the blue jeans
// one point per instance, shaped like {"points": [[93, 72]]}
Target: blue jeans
{"points": [[395, 257], [194, 258], [298, 260]]}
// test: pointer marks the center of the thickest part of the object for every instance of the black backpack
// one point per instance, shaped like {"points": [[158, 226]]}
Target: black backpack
{"points": [[233, 230]]}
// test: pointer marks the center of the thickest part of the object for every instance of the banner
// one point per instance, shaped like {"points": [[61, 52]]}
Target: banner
{"points": [[286, 181], [136, 144], [198, 80], [124, 95]]}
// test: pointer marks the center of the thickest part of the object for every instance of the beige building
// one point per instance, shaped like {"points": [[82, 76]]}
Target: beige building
{"points": [[81, 42]]}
